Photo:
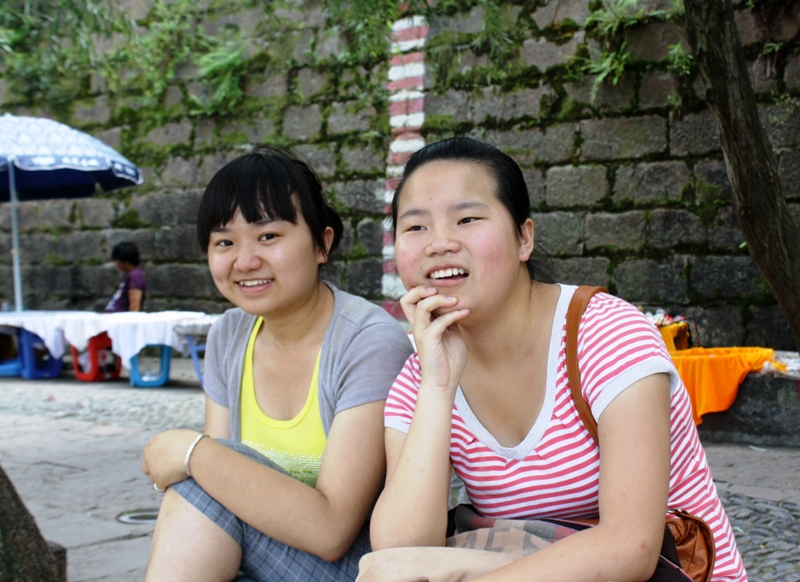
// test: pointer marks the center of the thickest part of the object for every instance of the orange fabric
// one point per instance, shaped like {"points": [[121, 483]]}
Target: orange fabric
{"points": [[675, 336], [712, 375]]}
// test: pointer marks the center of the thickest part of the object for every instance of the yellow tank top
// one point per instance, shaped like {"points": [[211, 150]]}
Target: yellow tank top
{"points": [[297, 444]]}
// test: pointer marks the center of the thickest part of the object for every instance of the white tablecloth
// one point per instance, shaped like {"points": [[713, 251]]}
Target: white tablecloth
{"points": [[196, 325], [45, 324], [129, 331]]}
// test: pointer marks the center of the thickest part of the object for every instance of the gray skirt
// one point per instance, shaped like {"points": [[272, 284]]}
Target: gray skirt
{"points": [[264, 559]]}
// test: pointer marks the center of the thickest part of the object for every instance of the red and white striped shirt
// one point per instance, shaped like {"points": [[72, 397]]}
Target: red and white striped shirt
{"points": [[554, 472]]}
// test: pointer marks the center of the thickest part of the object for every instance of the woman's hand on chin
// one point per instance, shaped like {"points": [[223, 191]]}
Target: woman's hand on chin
{"points": [[164, 455], [441, 349]]}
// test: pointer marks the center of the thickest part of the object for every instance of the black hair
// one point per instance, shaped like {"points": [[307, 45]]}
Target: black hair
{"points": [[511, 188], [266, 183], [126, 252]]}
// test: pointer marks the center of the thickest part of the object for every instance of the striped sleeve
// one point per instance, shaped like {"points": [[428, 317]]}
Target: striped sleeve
{"points": [[402, 399], [617, 346]]}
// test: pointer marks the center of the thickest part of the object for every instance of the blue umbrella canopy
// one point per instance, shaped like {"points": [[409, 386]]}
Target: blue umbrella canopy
{"points": [[53, 160], [42, 159]]}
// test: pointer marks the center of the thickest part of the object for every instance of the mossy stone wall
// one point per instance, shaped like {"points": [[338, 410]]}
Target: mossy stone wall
{"points": [[628, 184]]}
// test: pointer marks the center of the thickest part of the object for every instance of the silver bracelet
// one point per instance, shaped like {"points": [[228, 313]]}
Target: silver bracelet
{"points": [[189, 454]]}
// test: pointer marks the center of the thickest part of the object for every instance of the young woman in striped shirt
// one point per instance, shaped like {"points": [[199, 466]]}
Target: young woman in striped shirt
{"points": [[487, 393]]}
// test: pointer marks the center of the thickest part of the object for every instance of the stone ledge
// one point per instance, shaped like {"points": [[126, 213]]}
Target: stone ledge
{"points": [[766, 412]]}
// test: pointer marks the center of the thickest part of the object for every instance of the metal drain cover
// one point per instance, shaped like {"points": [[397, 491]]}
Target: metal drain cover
{"points": [[138, 516]]}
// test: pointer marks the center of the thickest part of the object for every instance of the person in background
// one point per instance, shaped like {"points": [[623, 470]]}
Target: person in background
{"points": [[130, 294]]}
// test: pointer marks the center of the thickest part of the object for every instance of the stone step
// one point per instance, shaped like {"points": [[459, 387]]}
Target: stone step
{"points": [[766, 412]]}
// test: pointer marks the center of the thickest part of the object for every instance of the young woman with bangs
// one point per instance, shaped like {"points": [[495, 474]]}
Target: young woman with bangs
{"points": [[280, 484], [487, 392]]}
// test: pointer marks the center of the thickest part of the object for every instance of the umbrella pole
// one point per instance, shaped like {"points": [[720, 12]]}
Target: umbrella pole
{"points": [[12, 187]]}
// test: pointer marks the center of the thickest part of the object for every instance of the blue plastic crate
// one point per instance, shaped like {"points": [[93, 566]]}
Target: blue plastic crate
{"points": [[36, 362], [140, 380]]}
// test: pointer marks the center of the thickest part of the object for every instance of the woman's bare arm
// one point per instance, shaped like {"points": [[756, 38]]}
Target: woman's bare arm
{"points": [[634, 482], [324, 520], [412, 509], [218, 420]]}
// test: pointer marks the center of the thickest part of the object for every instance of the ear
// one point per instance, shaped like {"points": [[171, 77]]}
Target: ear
{"points": [[526, 240], [327, 237]]}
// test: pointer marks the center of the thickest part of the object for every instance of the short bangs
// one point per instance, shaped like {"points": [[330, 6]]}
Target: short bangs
{"points": [[259, 186]]}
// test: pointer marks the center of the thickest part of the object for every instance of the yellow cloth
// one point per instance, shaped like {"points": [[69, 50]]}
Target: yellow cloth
{"points": [[297, 444], [675, 335], [712, 375]]}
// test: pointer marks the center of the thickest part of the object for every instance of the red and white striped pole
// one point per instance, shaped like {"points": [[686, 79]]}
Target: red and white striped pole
{"points": [[406, 115]]}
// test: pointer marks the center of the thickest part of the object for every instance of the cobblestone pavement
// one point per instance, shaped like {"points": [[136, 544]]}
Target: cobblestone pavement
{"points": [[767, 531], [147, 409], [768, 535]]}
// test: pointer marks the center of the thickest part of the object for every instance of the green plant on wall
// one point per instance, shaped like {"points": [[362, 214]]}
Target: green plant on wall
{"points": [[50, 51], [495, 38], [50, 73], [609, 66], [223, 69], [680, 62], [147, 62], [614, 15], [365, 26], [607, 23], [498, 38]]}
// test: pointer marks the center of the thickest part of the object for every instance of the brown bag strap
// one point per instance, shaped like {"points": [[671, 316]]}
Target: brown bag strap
{"points": [[693, 539], [577, 306]]}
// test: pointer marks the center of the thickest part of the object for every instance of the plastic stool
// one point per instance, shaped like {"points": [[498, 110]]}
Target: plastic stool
{"points": [[10, 367], [193, 350], [97, 362], [35, 361], [152, 381]]}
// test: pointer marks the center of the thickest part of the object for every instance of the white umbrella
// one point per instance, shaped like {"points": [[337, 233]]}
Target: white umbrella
{"points": [[42, 159]]}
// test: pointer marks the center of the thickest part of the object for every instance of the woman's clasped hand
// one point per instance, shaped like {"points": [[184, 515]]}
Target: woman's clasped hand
{"points": [[436, 338]]}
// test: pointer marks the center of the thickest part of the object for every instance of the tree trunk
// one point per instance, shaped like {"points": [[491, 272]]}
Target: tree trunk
{"points": [[24, 555], [771, 236]]}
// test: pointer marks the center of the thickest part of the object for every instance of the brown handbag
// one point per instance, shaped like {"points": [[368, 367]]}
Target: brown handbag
{"points": [[694, 540]]}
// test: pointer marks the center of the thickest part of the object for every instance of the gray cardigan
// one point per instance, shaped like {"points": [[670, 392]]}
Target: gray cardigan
{"points": [[363, 350]]}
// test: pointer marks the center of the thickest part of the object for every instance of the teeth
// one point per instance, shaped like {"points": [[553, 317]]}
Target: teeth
{"points": [[441, 274], [253, 283]]}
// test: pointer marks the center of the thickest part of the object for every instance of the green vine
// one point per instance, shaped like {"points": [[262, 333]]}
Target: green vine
{"points": [[50, 51], [365, 26], [224, 68], [40, 70], [609, 66], [616, 15], [145, 65]]}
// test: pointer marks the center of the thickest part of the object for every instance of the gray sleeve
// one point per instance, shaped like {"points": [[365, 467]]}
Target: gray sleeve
{"points": [[214, 382], [368, 365]]}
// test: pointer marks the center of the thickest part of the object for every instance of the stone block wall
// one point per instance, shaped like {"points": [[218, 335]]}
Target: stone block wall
{"points": [[627, 182], [297, 93]]}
